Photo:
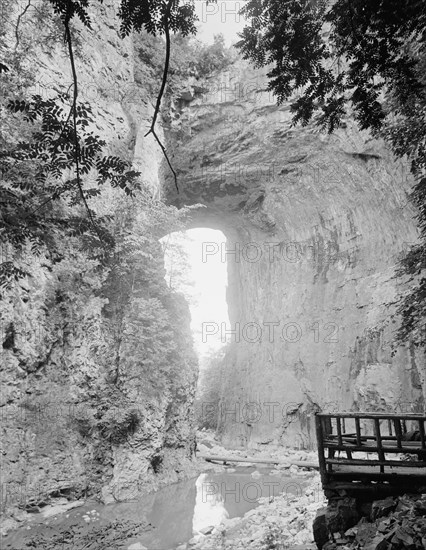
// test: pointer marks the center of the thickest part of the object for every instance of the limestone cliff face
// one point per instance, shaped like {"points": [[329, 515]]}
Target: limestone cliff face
{"points": [[68, 358], [315, 225]]}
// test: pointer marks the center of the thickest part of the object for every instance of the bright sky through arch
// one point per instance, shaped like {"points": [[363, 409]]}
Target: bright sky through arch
{"points": [[201, 275]]}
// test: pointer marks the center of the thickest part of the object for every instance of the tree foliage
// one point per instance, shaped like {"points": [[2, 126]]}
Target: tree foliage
{"points": [[177, 263], [155, 15], [190, 59], [39, 187], [51, 172], [365, 52], [213, 380], [363, 58], [139, 311]]}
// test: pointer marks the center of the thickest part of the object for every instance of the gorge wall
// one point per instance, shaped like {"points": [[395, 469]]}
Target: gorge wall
{"points": [[98, 372], [315, 225], [90, 352]]}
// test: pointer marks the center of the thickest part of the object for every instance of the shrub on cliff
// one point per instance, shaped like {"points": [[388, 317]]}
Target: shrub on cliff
{"points": [[84, 421], [118, 423], [190, 59], [113, 424], [212, 58]]}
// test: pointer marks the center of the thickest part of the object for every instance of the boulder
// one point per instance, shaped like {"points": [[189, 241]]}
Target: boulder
{"points": [[403, 537], [207, 530], [229, 523], [187, 95], [320, 528], [365, 532], [381, 508], [195, 540], [378, 543], [420, 508], [341, 515]]}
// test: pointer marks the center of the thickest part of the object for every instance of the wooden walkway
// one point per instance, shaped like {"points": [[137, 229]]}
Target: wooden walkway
{"points": [[382, 453]]}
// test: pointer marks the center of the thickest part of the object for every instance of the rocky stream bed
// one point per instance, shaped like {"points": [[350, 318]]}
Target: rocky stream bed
{"points": [[229, 507]]}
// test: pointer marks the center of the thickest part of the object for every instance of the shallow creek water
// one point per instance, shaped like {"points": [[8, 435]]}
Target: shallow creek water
{"points": [[178, 511]]}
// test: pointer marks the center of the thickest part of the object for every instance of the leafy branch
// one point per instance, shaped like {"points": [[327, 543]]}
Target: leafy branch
{"points": [[35, 170], [381, 85]]}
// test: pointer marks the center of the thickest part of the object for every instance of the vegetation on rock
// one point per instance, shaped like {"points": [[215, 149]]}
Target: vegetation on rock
{"points": [[211, 391], [362, 59], [85, 307], [189, 59]]}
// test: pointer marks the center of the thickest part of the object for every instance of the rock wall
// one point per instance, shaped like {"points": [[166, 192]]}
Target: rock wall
{"points": [[315, 223], [80, 357], [315, 226]]}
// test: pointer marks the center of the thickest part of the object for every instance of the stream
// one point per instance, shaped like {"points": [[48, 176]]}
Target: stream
{"points": [[176, 512]]}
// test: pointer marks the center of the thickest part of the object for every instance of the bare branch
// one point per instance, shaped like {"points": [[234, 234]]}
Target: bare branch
{"points": [[153, 132], [162, 88], [68, 39], [18, 22]]}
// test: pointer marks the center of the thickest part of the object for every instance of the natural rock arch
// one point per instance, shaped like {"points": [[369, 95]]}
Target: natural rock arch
{"points": [[339, 203]]}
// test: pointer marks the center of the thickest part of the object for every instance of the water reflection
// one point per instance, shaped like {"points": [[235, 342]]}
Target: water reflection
{"points": [[179, 511], [210, 504], [230, 495]]}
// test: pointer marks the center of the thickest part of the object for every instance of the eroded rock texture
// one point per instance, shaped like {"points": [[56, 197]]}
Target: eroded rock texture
{"points": [[315, 226], [97, 369]]}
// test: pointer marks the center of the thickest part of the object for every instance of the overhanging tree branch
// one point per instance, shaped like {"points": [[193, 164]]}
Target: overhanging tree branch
{"points": [[68, 40], [162, 89]]}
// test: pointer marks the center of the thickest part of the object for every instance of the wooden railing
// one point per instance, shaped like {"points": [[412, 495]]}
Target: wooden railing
{"points": [[373, 445]]}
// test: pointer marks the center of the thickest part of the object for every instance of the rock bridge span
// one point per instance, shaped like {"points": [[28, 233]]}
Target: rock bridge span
{"points": [[315, 227]]}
